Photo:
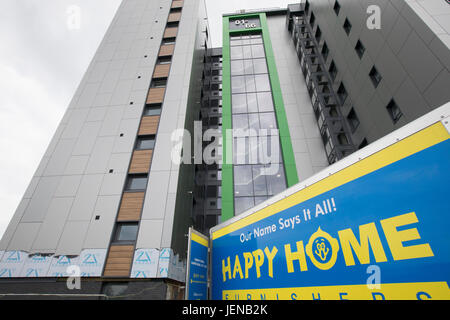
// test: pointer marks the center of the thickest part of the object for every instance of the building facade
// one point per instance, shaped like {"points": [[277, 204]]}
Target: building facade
{"points": [[107, 196], [290, 92]]}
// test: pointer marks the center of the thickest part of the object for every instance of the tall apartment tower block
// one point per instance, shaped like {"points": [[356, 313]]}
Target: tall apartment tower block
{"points": [[314, 81]]}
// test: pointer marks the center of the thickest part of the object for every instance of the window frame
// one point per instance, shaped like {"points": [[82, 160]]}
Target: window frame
{"points": [[375, 76], [347, 26], [340, 94], [135, 176], [352, 118]]}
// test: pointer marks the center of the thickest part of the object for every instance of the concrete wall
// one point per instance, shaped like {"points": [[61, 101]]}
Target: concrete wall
{"points": [[310, 156]]}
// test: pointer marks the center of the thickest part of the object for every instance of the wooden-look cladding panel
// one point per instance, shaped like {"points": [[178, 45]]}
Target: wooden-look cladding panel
{"points": [[131, 206], [162, 71], [149, 125], [177, 4], [140, 163], [119, 261], [170, 32], [156, 95], [173, 17], [166, 50]]}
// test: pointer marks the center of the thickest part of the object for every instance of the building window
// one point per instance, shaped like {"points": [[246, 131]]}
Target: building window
{"points": [[353, 120], [337, 8], [126, 232], [158, 83], [152, 110], [333, 70], [168, 41], [375, 76], [307, 7], [394, 111], [174, 10], [342, 93], [325, 51], [360, 49], [363, 144], [112, 289], [347, 26], [252, 108], [145, 143], [342, 138], [173, 24], [136, 182], [312, 20]]}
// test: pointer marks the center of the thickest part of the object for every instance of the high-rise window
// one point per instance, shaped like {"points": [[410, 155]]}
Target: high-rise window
{"points": [[253, 109], [136, 182], [312, 20], [342, 93], [353, 120], [337, 7], [363, 144], [126, 232], [145, 143], [333, 70]]}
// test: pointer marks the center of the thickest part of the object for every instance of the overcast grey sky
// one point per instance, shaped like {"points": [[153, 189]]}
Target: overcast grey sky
{"points": [[42, 61]]}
